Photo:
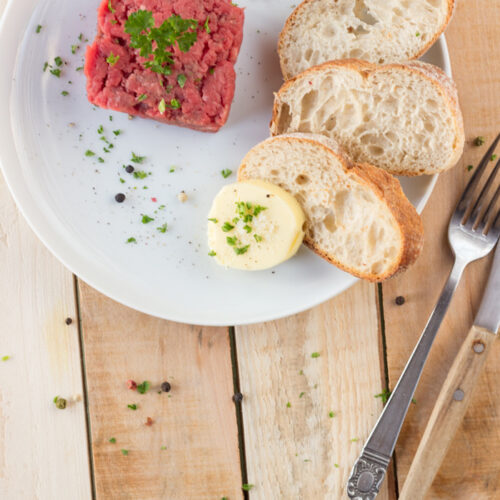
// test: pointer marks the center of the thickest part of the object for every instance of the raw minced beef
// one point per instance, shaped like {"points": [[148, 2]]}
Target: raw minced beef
{"points": [[205, 98]]}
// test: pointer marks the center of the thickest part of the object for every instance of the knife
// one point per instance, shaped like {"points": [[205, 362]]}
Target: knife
{"points": [[456, 392]]}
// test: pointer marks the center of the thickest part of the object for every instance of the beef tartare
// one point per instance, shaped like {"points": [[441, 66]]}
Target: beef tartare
{"points": [[168, 60]]}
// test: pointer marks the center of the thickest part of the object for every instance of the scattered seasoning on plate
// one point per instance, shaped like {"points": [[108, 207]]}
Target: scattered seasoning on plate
{"points": [[146, 219], [112, 440], [479, 141], [132, 406], [315, 355], [74, 48], [129, 169], [38, 29], [60, 403], [144, 387], [331, 414], [56, 72], [163, 448], [140, 174], [247, 487], [238, 397], [301, 372], [354, 440], [64, 93], [336, 466], [301, 394], [141, 98], [226, 173], [494, 157], [289, 405], [79, 68], [124, 452], [131, 384], [400, 300], [384, 395], [137, 159], [112, 59], [68, 321], [469, 167], [212, 253], [5, 358], [166, 387], [182, 197], [163, 228], [149, 422], [131, 240], [120, 197], [181, 80], [172, 170]]}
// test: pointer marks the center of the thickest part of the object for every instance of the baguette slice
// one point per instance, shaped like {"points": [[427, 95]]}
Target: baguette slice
{"points": [[357, 216], [404, 118], [379, 31]]}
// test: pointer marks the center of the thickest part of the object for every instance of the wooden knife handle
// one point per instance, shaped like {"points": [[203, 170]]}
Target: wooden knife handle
{"points": [[448, 413]]}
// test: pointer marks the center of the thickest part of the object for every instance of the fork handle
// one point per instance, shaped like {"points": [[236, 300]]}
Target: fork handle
{"points": [[370, 469], [448, 413]]}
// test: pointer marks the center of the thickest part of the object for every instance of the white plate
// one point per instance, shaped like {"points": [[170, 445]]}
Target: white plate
{"points": [[68, 198]]}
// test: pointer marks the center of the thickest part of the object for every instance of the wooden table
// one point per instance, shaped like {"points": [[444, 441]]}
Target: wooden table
{"points": [[282, 437]]}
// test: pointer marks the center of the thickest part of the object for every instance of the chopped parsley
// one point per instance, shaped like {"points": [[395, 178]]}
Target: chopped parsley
{"points": [[242, 250], [45, 66], [163, 228], [206, 26], [132, 240], [315, 355], [110, 7], [331, 414], [124, 452], [74, 48], [55, 72], [117, 132], [5, 358], [100, 159], [172, 170], [146, 219], [479, 141], [384, 395], [289, 405], [494, 157], [163, 448], [181, 80], [247, 228], [142, 97], [354, 440], [144, 387], [89, 153], [214, 220], [336, 466], [38, 29], [211, 253], [112, 59], [301, 395], [79, 68], [247, 487], [162, 107], [140, 174], [58, 61], [100, 129], [227, 227], [211, 71], [231, 241], [137, 159], [226, 173], [258, 238], [64, 93], [132, 406], [122, 180], [417, 34], [153, 43], [112, 440], [469, 167], [175, 104]]}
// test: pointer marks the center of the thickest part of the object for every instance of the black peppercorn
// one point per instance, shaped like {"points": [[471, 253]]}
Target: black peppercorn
{"points": [[238, 397], [129, 169], [120, 197], [400, 300], [165, 387], [68, 321]]}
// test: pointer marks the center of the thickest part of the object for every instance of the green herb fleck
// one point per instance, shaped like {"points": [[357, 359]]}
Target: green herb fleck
{"points": [[226, 173], [162, 107], [60, 403], [65, 93], [110, 7], [74, 48], [336, 466], [112, 440], [258, 209], [5, 358], [227, 227], [79, 68], [100, 129], [122, 180], [301, 394], [163, 448], [206, 26], [132, 406], [214, 220], [258, 238], [247, 487], [384, 395], [241, 250], [124, 452], [153, 43], [175, 104], [331, 414], [247, 228], [112, 59], [211, 253], [181, 80], [289, 405], [354, 440], [494, 157], [469, 167], [137, 159], [163, 228], [479, 141], [55, 72], [89, 153], [117, 132], [132, 240], [232, 241], [142, 97], [301, 372], [58, 61], [211, 71], [144, 387], [172, 170], [140, 174], [100, 159], [417, 34], [45, 66], [315, 355], [38, 28], [146, 219]]}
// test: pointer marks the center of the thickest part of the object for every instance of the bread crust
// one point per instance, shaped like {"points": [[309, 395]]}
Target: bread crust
{"points": [[295, 15], [444, 85], [386, 188]]}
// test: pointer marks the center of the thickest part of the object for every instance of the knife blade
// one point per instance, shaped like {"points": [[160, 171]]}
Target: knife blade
{"points": [[488, 316]]}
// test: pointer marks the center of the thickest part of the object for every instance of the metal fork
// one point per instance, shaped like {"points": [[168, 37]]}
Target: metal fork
{"points": [[473, 233]]}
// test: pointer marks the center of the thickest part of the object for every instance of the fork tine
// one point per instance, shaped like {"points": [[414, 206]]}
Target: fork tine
{"points": [[465, 201], [486, 217], [478, 206]]}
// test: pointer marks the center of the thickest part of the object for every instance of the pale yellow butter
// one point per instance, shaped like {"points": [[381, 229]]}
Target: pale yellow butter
{"points": [[270, 234]]}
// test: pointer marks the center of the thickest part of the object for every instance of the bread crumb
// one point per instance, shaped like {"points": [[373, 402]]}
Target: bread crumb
{"points": [[182, 197]]}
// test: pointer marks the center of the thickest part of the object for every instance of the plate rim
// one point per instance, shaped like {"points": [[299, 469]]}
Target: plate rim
{"points": [[53, 240]]}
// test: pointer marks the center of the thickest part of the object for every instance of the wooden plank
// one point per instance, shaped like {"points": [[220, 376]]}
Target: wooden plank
{"points": [[43, 450], [471, 468], [196, 421], [292, 451]]}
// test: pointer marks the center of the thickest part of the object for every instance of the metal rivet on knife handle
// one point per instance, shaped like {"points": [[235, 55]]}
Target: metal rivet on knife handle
{"points": [[478, 347], [459, 395]]}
